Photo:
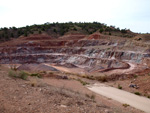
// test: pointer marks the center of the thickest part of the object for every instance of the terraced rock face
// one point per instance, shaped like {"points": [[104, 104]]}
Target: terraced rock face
{"points": [[93, 53]]}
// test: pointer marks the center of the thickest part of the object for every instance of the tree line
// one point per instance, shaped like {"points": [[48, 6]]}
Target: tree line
{"points": [[57, 28]]}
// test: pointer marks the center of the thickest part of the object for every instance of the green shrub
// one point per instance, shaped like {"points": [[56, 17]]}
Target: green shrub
{"points": [[119, 87], [23, 75], [75, 29], [51, 73], [12, 35], [40, 32], [90, 96], [101, 78], [125, 105], [12, 73], [83, 82], [123, 31], [25, 34], [135, 76], [18, 74], [90, 77], [101, 30], [137, 93], [54, 30], [36, 75]]}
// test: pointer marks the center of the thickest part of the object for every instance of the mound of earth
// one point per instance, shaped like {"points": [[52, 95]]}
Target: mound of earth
{"points": [[36, 67]]}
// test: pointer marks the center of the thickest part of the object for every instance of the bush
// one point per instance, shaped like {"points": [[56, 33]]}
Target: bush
{"points": [[23, 75], [15, 74], [40, 32], [119, 87], [135, 76], [25, 34], [12, 35], [90, 96], [54, 30], [101, 30], [12, 73], [125, 105], [137, 93], [36, 75], [89, 77], [101, 78], [83, 82], [75, 29], [123, 31]]}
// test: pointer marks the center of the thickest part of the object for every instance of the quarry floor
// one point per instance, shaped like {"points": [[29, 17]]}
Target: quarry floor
{"points": [[52, 94], [125, 95]]}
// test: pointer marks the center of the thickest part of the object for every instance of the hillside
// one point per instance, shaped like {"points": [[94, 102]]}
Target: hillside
{"points": [[71, 56], [59, 29]]}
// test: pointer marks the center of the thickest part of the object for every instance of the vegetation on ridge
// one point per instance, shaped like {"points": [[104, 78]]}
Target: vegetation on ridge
{"points": [[59, 29]]}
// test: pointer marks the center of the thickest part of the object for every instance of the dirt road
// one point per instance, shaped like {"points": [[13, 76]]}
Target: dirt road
{"points": [[123, 97]]}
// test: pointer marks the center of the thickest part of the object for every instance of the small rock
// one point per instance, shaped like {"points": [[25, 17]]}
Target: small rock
{"points": [[64, 106], [23, 85], [64, 77], [40, 89], [133, 86]]}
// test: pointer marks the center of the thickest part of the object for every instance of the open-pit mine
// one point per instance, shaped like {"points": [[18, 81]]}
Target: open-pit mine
{"points": [[99, 66]]}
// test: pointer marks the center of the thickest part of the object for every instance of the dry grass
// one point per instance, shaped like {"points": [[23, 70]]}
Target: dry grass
{"points": [[13, 67], [125, 105], [102, 78], [36, 75], [18, 74], [137, 93], [90, 96], [98, 76], [22, 74], [83, 82]]}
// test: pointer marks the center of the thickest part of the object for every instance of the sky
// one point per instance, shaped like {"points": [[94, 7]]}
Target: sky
{"points": [[130, 14]]}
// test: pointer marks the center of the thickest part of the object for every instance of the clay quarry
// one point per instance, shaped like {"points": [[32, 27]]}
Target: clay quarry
{"points": [[75, 73]]}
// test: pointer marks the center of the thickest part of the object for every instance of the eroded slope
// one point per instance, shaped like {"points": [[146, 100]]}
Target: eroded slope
{"points": [[93, 53]]}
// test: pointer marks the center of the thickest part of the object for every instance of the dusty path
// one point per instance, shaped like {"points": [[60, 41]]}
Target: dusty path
{"points": [[123, 97], [123, 71], [68, 70]]}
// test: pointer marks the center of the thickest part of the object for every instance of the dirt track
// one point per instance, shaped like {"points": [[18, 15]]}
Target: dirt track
{"points": [[123, 97], [121, 71]]}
